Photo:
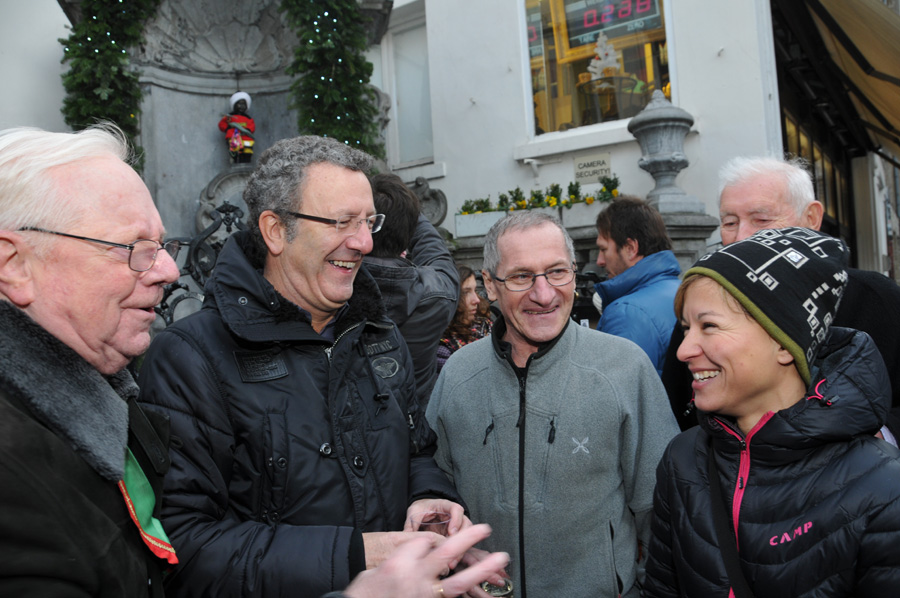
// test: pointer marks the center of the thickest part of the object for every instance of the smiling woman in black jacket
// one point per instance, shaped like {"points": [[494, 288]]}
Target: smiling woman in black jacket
{"points": [[788, 410]]}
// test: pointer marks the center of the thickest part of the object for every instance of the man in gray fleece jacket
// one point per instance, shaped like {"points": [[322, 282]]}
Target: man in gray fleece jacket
{"points": [[551, 431]]}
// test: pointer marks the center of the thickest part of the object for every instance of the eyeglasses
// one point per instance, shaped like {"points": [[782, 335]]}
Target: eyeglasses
{"points": [[557, 277], [142, 253], [344, 224]]}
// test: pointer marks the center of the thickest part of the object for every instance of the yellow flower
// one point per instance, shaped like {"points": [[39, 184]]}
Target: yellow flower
{"points": [[589, 199], [615, 192], [512, 208], [602, 189], [522, 203], [552, 201], [478, 211], [464, 213], [565, 201]]}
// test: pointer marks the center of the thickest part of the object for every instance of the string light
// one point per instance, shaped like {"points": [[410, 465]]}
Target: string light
{"points": [[333, 96]]}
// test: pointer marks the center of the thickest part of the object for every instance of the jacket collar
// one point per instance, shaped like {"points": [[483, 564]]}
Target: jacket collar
{"points": [[648, 269], [849, 396], [65, 393], [252, 308], [504, 349]]}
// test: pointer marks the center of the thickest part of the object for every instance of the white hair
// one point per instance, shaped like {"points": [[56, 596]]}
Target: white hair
{"points": [[28, 195], [794, 172]]}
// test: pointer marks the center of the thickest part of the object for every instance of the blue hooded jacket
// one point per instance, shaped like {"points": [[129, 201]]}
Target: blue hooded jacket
{"points": [[638, 304]]}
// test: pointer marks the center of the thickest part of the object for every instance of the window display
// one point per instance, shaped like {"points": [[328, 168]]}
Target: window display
{"points": [[594, 60]]}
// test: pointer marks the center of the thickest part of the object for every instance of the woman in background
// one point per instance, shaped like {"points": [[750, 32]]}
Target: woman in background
{"points": [[472, 320]]}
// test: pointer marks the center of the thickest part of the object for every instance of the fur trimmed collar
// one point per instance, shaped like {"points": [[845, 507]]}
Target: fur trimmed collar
{"points": [[65, 393]]}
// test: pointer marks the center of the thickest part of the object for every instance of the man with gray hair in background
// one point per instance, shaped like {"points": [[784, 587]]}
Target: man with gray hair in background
{"points": [[301, 453], [551, 431], [757, 193]]}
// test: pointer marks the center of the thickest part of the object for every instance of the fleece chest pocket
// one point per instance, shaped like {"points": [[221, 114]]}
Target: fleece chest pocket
{"points": [[504, 439]]}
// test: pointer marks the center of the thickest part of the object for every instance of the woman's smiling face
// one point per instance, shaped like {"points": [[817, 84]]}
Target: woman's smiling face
{"points": [[738, 369]]}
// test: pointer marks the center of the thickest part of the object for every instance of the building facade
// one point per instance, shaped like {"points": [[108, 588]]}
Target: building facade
{"points": [[487, 97]]}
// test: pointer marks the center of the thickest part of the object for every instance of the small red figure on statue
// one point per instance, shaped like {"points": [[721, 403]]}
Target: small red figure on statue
{"points": [[239, 128]]}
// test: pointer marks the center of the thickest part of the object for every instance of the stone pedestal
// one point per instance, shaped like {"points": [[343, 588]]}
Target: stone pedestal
{"points": [[689, 233], [660, 128]]}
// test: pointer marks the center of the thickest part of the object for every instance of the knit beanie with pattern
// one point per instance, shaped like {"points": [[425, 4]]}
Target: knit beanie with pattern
{"points": [[790, 280]]}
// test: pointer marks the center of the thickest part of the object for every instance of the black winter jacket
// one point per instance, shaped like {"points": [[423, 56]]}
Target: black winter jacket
{"points": [[286, 446], [420, 294], [65, 530], [814, 497]]}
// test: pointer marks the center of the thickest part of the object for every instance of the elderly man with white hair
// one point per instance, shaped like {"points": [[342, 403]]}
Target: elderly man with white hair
{"points": [[83, 262], [763, 193]]}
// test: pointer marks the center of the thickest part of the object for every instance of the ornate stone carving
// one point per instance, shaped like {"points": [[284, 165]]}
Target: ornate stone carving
{"points": [[226, 188], [199, 36], [433, 201]]}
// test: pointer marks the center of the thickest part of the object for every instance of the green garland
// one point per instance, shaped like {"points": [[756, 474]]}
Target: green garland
{"points": [[331, 93], [100, 83]]}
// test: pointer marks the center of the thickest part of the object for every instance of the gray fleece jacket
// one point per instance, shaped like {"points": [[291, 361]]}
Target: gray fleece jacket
{"points": [[571, 444]]}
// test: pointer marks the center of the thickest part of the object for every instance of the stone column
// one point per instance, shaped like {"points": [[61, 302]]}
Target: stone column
{"points": [[660, 128]]}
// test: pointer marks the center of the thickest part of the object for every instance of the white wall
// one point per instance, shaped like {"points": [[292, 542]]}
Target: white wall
{"points": [[30, 65], [481, 101]]}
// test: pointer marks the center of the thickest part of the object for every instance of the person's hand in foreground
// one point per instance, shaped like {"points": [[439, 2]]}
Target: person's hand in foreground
{"points": [[414, 569]]}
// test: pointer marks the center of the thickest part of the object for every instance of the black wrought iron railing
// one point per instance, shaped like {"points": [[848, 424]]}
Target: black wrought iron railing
{"points": [[202, 251]]}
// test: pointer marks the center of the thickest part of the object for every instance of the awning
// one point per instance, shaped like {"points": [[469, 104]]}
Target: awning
{"points": [[863, 40]]}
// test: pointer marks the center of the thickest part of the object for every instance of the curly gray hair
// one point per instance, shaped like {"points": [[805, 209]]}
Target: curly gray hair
{"points": [[276, 183]]}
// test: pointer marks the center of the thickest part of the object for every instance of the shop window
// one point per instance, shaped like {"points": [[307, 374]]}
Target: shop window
{"points": [[792, 136], [829, 199], [594, 61], [828, 171]]}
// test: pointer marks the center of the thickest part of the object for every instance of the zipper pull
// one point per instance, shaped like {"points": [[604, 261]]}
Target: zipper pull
{"points": [[487, 432], [381, 399], [552, 435], [690, 407]]}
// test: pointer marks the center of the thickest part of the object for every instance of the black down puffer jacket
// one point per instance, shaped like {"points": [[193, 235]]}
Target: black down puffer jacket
{"points": [[286, 446], [813, 496]]}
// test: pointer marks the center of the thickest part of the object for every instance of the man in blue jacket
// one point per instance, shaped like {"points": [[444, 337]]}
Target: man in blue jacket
{"points": [[643, 275]]}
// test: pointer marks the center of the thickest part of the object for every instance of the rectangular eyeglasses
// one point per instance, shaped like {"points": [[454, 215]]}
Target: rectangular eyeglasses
{"points": [[344, 224], [141, 253]]}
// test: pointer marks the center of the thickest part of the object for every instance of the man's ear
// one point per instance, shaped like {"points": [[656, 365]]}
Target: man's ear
{"points": [[630, 252], [812, 215], [16, 283], [273, 231], [489, 285]]}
